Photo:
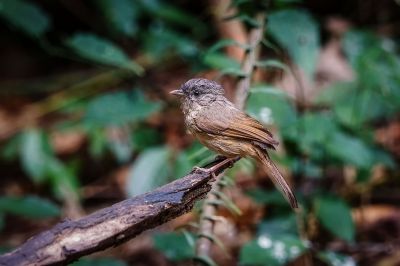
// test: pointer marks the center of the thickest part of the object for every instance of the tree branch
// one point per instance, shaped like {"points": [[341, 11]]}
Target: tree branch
{"points": [[111, 226]]}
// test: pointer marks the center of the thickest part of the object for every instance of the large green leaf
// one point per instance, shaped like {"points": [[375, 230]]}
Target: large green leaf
{"points": [[174, 246], [298, 32], [150, 170], [29, 206], [101, 51], [349, 149], [335, 215], [119, 108], [271, 251], [121, 14], [355, 43], [279, 226], [161, 42], [26, 16], [270, 105], [34, 152], [173, 14]]}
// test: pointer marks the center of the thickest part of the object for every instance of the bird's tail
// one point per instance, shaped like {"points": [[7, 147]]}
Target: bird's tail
{"points": [[277, 177]]}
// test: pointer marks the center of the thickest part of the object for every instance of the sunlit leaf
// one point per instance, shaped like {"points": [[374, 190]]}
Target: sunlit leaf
{"points": [[298, 32], [174, 246], [271, 251], [101, 51], [34, 152], [335, 215], [26, 16], [336, 259], [149, 171], [119, 108], [121, 14], [29, 207]]}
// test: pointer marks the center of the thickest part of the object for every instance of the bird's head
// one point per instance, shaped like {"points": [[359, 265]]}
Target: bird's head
{"points": [[199, 90]]}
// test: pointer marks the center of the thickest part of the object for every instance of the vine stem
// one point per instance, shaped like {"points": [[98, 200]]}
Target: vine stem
{"points": [[207, 221]]}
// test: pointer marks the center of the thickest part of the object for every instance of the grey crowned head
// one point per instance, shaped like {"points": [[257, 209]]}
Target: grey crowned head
{"points": [[199, 88]]}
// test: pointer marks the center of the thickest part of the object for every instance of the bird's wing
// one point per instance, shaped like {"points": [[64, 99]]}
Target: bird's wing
{"points": [[226, 120]]}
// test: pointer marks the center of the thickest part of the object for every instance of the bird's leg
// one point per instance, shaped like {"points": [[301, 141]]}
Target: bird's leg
{"points": [[213, 168]]}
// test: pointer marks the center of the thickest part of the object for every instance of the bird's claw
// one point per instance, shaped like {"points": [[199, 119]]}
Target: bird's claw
{"points": [[201, 170]]}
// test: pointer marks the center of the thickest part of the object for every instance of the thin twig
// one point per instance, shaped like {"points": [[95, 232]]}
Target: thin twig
{"points": [[206, 225]]}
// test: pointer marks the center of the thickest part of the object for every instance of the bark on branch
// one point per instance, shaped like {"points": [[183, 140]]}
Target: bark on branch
{"points": [[111, 226]]}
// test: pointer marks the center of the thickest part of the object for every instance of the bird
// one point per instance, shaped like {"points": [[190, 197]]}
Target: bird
{"points": [[221, 127]]}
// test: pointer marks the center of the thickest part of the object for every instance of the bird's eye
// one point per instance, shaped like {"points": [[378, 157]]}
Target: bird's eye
{"points": [[196, 93]]}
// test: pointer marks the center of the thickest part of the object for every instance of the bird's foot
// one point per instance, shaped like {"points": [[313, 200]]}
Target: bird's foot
{"points": [[202, 170]]}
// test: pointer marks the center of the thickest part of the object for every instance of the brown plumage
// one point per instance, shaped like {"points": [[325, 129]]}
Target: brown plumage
{"points": [[223, 128]]}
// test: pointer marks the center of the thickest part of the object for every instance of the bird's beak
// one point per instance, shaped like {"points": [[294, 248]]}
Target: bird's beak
{"points": [[177, 92]]}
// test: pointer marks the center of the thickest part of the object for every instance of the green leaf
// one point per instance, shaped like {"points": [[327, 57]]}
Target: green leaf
{"points": [[279, 226], [220, 61], [63, 180], [101, 51], [161, 42], [99, 262], [174, 246], [183, 164], [175, 15], [271, 251], [11, 149], [349, 149], [119, 108], [311, 131], [336, 259], [29, 207], [355, 44], [224, 43], [270, 105], [268, 197], [145, 137], [121, 14], [26, 16], [34, 152], [149, 171], [335, 215], [271, 63], [298, 32]]}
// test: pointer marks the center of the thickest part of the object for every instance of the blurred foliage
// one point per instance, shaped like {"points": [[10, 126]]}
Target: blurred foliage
{"points": [[126, 127]]}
